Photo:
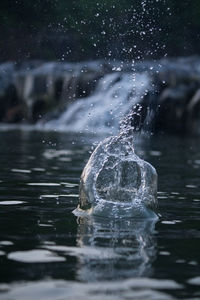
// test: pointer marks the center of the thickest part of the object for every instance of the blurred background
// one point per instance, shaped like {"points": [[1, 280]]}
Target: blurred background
{"points": [[55, 52], [81, 30]]}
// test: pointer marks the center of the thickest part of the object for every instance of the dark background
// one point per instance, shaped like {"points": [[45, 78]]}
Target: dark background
{"points": [[86, 29]]}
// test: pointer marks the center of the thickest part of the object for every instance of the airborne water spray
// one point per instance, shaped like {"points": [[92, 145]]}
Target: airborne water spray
{"points": [[116, 182]]}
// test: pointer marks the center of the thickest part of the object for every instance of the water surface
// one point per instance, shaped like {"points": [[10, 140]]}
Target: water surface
{"points": [[45, 252]]}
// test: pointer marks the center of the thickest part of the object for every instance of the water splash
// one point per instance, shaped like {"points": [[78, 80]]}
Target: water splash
{"points": [[117, 183]]}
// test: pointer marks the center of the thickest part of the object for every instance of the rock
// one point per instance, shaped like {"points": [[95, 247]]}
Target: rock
{"points": [[116, 182], [172, 101], [11, 107], [34, 89], [41, 87]]}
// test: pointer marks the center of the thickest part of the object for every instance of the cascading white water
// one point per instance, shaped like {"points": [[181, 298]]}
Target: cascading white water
{"points": [[115, 95]]}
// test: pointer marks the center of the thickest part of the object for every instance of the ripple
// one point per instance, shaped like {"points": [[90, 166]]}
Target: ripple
{"points": [[21, 171], [38, 169], [168, 222], [6, 243], [194, 281], [35, 256], [162, 197], [11, 202], [68, 184], [191, 186], [67, 159], [56, 196], [48, 196], [43, 184], [139, 288], [172, 222]]}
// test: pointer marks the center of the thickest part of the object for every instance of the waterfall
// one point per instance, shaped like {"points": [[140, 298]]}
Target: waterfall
{"points": [[116, 93]]}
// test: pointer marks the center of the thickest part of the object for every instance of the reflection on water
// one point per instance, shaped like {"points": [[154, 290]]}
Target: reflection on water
{"points": [[126, 248], [46, 255], [134, 289]]}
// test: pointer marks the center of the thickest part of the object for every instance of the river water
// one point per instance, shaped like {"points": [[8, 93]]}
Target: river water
{"points": [[47, 253]]}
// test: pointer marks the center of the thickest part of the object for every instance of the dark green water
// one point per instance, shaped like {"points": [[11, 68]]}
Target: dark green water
{"points": [[46, 253]]}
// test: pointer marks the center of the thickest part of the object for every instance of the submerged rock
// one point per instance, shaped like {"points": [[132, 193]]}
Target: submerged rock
{"points": [[116, 182]]}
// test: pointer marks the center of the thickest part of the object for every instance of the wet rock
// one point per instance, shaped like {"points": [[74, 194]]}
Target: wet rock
{"points": [[11, 107], [42, 87], [34, 89], [173, 98]]}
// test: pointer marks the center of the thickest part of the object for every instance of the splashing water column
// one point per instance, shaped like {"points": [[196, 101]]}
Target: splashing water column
{"points": [[117, 183]]}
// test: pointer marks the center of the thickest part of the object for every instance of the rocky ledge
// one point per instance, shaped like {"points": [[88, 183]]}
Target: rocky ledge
{"points": [[30, 90], [34, 89]]}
